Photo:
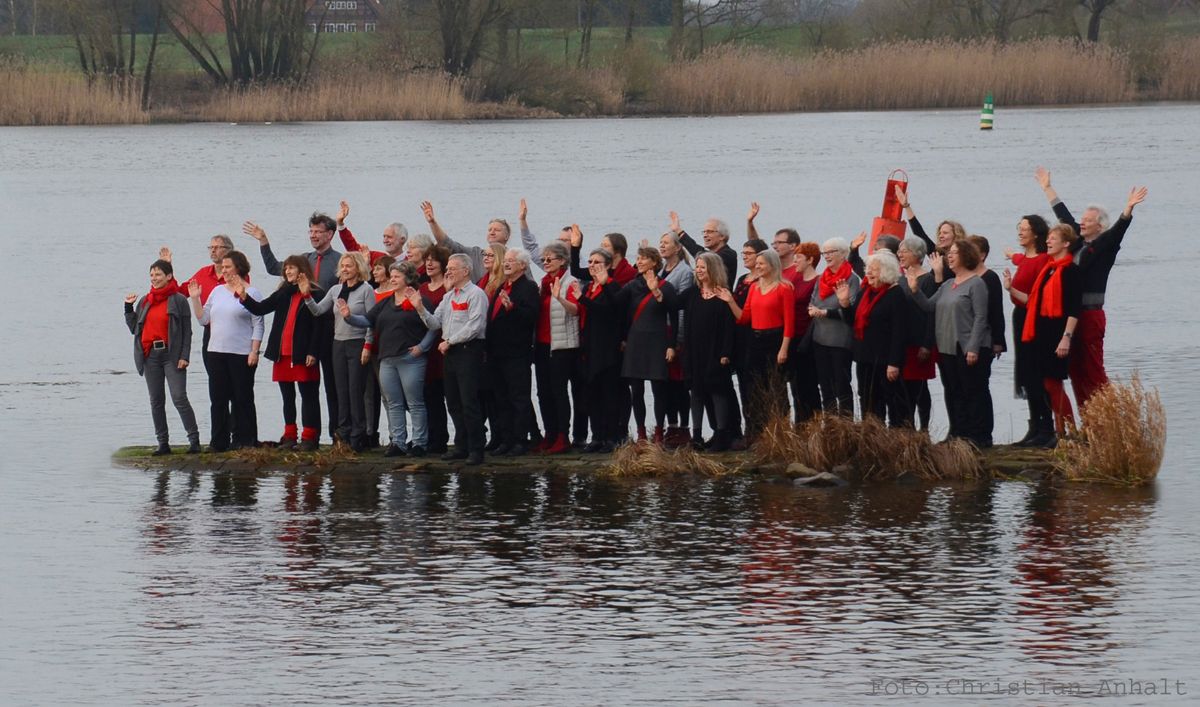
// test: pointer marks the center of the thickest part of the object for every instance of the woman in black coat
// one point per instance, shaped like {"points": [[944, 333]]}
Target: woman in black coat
{"points": [[294, 346], [1052, 313], [880, 319], [708, 344], [652, 314], [601, 331]]}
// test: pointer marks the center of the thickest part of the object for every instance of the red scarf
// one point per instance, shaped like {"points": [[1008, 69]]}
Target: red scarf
{"points": [[1049, 302], [496, 303], [870, 295], [550, 278], [830, 279], [161, 294]]}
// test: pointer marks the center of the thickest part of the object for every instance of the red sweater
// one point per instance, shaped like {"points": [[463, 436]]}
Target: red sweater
{"points": [[775, 309], [801, 293], [1027, 271], [624, 272], [157, 324], [352, 245]]}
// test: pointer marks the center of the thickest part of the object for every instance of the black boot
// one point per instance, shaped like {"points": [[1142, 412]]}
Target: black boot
{"points": [[1045, 436], [1027, 440]]}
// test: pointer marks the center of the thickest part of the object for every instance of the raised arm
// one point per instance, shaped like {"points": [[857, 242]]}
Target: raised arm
{"points": [[528, 240], [257, 233], [751, 231], [917, 229], [688, 243], [438, 234]]}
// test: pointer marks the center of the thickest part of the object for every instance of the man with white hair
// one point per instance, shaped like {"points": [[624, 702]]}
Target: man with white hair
{"points": [[716, 240], [498, 231], [395, 235], [463, 314], [1095, 253]]}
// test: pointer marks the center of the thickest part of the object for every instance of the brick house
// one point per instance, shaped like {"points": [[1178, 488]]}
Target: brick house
{"points": [[344, 16]]}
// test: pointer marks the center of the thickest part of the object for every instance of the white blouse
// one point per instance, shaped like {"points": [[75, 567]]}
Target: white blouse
{"points": [[232, 327]]}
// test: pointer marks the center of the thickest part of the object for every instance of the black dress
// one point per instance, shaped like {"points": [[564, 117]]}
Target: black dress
{"points": [[1048, 331], [707, 338], [652, 326]]}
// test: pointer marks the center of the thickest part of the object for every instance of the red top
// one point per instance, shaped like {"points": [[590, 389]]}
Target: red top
{"points": [[1027, 272], [289, 326], [624, 272], [433, 364], [801, 292], [352, 245], [775, 309], [157, 323], [381, 296]]}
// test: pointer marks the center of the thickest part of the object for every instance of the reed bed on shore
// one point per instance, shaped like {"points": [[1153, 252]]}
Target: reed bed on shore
{"points": [[1180, 62], [360, 96], [59, 98], [896, 76], [877, 451], [1123, 438], [647, 459]]}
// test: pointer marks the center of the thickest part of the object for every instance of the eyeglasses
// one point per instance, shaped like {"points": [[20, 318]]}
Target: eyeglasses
{"points": [[782, 243], [708, 231], [549, 260], [830, 252], [218, 247], [595, 262]]}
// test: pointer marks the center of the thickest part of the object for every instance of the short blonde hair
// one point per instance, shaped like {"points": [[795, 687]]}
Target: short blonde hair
{"points": [[360, 264]]}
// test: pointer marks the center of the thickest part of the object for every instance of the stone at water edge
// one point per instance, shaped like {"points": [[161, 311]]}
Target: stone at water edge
{"points": [[798, 469], [908, 478], [1032, 475], [822, 480]]}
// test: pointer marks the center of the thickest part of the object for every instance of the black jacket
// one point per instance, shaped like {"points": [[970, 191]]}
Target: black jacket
{"points": [[306, 334], [884, 336], [510, 332], [603, 328], [726, 254]]}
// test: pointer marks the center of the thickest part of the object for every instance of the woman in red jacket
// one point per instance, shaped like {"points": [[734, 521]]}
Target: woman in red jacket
{"points": [[1031, 235], [770, 310]]}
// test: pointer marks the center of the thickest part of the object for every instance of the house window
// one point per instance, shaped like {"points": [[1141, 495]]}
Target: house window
{"points": [[312, 27], [330, 27], [369, 27], [352, 27]]}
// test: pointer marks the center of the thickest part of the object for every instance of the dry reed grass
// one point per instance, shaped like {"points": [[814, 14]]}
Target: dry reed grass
{"points": [[1123, 439], [323, 458], [647, 459], [1180, 66], [59, 98], [876, 450], [897, 76], [359, 96]]}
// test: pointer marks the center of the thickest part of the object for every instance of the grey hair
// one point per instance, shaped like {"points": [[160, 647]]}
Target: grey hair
{"points": [[502, 222], [521, 255], [399, 229], [889, 266], [916, 246], [604, 253], [838, 244], [424, 241], [722, 227], [772, 259], [407, 269], [1102, 217], [463, 260], [683, 254], [556, 249], [225, 240]]}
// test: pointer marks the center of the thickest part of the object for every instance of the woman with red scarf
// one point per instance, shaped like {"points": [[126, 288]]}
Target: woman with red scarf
{"points": [[162, 343], [832, 337], [1031, 235], [556, 348], [880, 319], [1052, 313], [293, 344]]}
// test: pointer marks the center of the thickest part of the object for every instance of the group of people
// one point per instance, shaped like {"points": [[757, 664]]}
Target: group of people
{"points": [[429, 326]]}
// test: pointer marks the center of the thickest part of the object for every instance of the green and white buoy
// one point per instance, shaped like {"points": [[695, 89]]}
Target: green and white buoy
{"points": [[985, 118]]}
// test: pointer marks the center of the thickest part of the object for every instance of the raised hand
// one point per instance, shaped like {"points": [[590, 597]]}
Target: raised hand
{"points": [[857, 242], [506, 301], [427, 210], [675, 223], [1008, 253], [935, 262], [576, 236], [753, 211], [236, 284], [645, 243], [913, 279], [651, 280], [576, 290], [343, 308], [366, 252], [414, 297], [723, 294], [164, 253], [255, 231], [342, 214], [599, 274], [1136, 196], [303, 284], [524, 211], [194, 289], [1043, 178], [901, 197], [843, 293], [555, 288], [1007, 276], [130, 298]]}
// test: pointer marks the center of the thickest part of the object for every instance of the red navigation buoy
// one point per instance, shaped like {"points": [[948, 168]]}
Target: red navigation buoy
{"points": [[891, 221]]}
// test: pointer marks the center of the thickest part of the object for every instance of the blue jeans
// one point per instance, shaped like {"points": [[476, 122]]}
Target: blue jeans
{"points": [[402, 379]]}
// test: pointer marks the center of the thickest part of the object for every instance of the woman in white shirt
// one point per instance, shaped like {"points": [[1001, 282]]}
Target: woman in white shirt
{"points": [[233, 345]]}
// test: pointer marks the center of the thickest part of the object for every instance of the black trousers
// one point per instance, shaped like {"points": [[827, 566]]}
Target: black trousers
{"points": [[463, 370], [715, 394], [767, 395], [555, 369], [435, 408], [833, 374], [609, 397], [802, 376], [579, 403], [880, 397], [511, 382], [350, 381], [971, 409], [208, 370], [912, 399], [231, 382], [331, 397], [373, 400], [662, 400], [310, 403]]}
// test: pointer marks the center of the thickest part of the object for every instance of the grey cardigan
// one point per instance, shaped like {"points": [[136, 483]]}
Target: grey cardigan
{"points": [[179, 330], [832, 331], [960, 316], [360, 301]]}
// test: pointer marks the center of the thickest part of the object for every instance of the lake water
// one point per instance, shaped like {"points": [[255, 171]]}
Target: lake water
{"points": [[124, 587]]}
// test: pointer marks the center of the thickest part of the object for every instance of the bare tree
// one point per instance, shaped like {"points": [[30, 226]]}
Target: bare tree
{"points": [[100, 30], [1095, 10]]}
